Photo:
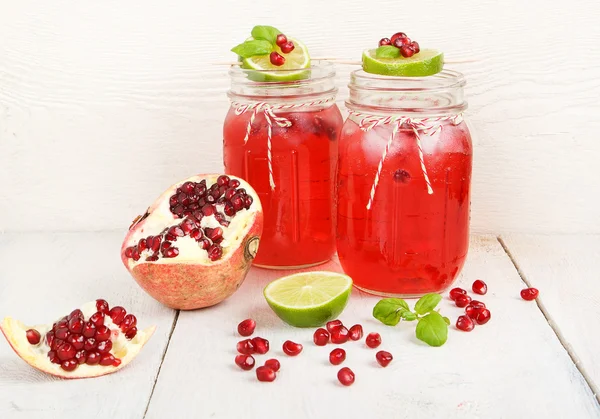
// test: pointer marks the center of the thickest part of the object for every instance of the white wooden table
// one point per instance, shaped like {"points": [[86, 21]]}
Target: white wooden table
{"points": [[530, 361]]}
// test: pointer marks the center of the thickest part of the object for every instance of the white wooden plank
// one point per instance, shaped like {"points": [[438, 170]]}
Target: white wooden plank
{"points": [[565, 270], [124, 92], [44, 276], [513, 367]]}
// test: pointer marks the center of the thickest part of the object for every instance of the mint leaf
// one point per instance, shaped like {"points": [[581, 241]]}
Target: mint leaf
{"points": [[447, 320], [267, 33], [432, 329], [387, 51], [427, 303], [389, 310], [408, 316], [252, 48]]}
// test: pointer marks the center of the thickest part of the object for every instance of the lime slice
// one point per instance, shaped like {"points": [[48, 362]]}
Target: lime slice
{"points": [[425, 63], [295, 62], [309, 299]]}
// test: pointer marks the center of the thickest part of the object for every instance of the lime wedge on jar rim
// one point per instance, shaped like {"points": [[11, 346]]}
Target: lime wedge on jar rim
{"points": [[295, 67], [425, 63], [309, 299]]}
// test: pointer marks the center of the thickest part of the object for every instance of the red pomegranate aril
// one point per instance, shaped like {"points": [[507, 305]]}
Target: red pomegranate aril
{"points": [[76, 341], [337, 356], [69, 365], [246, 327], [171, 252], [176, 231], [65, 351], [229, 193], [238, 201], [165, 245], [276, 59], [465, 323], [53, 357], [273, 364], [456, 292], [483, 316], [117, 314], [129, 252], [208, 210], [136, 255], [529, 294], [223, 180], [291, 348], [265, 374], [406, 51], [462, 301], [477, 304], [187, 187], [340, 335], [204, 243], [245, 362], [415, 46], [75, 313], [128, 322], [130, 334], [346, 376], [384, 358], [33, 336], [397, 35], [215, 252], [471, 311], [62, 323], [92, 358], [187, 226], [61, 332], [234, 183], [321, 337], [102, 333], [384, 41], [89, 330], [104, 346], [402, 42], [356, 332], [76, 325], [142, 245], [333, 324], [107, 359], [245, 347], [102, 306], [280, 40], [373, 340], [196, 234], [215, 234], [287, 47], [248, 201], [57, 343], [49, 338], [97, 319], [89, 344], [81, 357], [479, 287], [261, 346]]}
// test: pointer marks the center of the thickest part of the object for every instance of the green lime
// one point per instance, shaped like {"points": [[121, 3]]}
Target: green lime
{"points": [[425, 63], [294, 68], [309, 299]]}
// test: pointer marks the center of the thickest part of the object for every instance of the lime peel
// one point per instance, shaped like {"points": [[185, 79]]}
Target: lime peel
{"points": [[425, 63]]}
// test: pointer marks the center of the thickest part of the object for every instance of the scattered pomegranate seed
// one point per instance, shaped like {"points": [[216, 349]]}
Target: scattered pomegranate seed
{"points": [[337, 356], [384, 358], [483, 316], [345, 376], [33, 336], [287, 47], [265, 374], [529, 294], [373, 340], [117, 314], [479, 287], [384, 41], [273, 364], [456, 292], [291, 348], [246, 327], [477, 304], [245, 362], [340, 335], [245, 347], [463, 301], [281, 39], [261, 346], [276, 59], [471, 311], [333, 324], [398, 35], [321, 337], [406, 51], [465, 323], [356, 332]]}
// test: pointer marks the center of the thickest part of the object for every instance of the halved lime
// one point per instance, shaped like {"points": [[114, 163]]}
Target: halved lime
{"points": [[425, 63], [296, 63], [309, 299]]}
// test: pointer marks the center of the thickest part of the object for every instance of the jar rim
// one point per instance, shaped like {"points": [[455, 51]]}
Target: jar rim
{"points": [[446, 79]]}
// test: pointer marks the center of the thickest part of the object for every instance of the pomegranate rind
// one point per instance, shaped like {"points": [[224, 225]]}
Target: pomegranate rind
{"points": [[36, 355], [185, 283]]}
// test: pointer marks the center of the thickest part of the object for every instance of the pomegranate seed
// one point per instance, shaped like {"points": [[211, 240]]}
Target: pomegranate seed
{"points": [[49, 338], [238, 201], [261, 346], [187, 226], [89, 344], [356, 332], [136, 255], [321, 337], [208, 209], [245, 347], [273, 364], [97, 319], [245, 362], [81, 357], [104, 346], [215, 234], [116, 362], [462, 301], [142, 245], [187, 187], [398, 35], [479, 287], [248, 202], [345, 376], [204, 243], [291, 348], [373, 340], [129, 252], [465, 323], [65, 351], [89, 330], [384, 358], [196, 234], [337, 356], [61, 332], [130, 334], [529, 294], [215, 252], [108, 360], [276, 59], [280, 40], [333, 324], [287, 47], [265, 374], [415, 46], [176, 231], [117, 314], [456, 292], [246, 327], [76, 341], [53, 358], [33, 336], [340, 335], [234, 183], [56, 344], [384, 41], [69, 365], [128, 322], [223, 180], [477, 304], [483, 316], [406, 51], [63, 323], [93, 358], [75, 313], [102, 333], [76, 325], [471, 311]]}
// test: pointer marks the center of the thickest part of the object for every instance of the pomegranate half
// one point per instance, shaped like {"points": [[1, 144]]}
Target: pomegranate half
{"points": [[194, 245], [90, 342]]}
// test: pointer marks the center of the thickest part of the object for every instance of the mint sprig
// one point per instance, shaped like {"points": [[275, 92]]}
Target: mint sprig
{"points": [[432, 328], [253, 47]]}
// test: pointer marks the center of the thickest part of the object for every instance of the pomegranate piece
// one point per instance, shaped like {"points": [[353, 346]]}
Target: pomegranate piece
{"points": [[181, 260], [245, 347], [81, 357], [477, 304], [287, 47], [340, 335], [276, 59], [479, 287], [373, 340], [117, 314], [65, 351], [471, 311], [97, 319], [337, 356], [529, 294], [128, 322], [130, 334], [33, 336], [265, 374], [246, 327], [356, 332], [465, 323], [69, 365], [102, 333], [332, 325], [104, 347], [415, 47], [89, 330], [383, 358], [77, 313], [462, 301], [456, 292], [261, 346], [273, 364], [482, 316], [280, 40], [76, 325], [384, 41], [90, 344], [397, 35], [245, 362], [92, 358], [321, 337], [77, 341], [406, 51], [346, 376], [291, 348]]}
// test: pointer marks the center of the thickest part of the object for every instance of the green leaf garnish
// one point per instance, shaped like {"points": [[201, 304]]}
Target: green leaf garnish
{"points": [[427, 303], [432, 329], [267, 33], [447, 320], [409, 316], [389, 310], [253, 47], [387, 51]]}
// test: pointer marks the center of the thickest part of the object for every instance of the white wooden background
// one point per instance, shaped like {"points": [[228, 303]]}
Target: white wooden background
{"points": [[104, 104]]}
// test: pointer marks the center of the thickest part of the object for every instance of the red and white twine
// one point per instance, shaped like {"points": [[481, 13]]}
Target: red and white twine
{"points": [[270, 117], [429, 126]]}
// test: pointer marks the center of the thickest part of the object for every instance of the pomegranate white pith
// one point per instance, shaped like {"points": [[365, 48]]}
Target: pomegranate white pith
{"points": [[123, 349], [196, 242]]}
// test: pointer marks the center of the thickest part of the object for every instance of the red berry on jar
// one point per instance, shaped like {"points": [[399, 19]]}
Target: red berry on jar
{"points": [[276, 59], [465, 323], [287, 47], [456, 292], [462, 301], [397, 35], [406, 51], [479, 287], [280, 40], [415, 46], [384, 41], [529, 294]]}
